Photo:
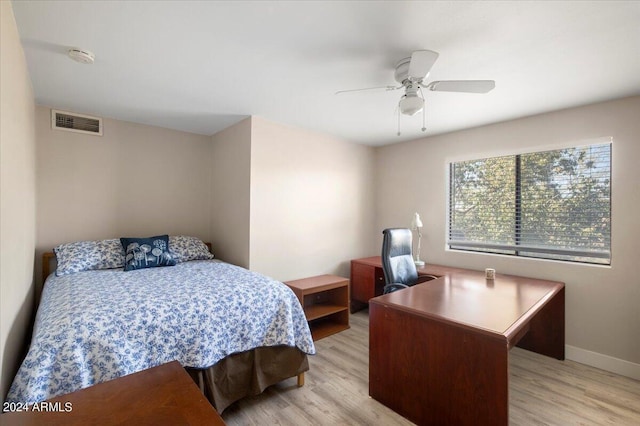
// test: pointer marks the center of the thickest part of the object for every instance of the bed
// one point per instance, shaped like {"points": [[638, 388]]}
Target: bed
{"points": [[235, 331]]}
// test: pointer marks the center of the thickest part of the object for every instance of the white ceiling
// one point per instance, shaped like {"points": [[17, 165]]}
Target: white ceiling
{"points": [[202, 66]]}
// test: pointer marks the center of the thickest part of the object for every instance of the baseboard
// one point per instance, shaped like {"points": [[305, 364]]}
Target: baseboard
{"points": [[603, 362]]}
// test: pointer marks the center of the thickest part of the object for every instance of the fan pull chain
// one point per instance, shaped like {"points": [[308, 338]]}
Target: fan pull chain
{"points": [[398, 121], [424, 107]]}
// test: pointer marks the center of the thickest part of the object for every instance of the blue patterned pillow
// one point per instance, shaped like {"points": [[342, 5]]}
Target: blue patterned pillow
{"points": [[150, 252], [186, 248], [111, 254], [88, 255]]}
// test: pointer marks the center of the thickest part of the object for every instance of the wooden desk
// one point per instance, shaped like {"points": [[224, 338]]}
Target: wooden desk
{"points": [[160, 395], [438, 351]]}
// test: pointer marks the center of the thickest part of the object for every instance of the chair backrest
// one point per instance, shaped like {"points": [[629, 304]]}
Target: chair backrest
{"points": [[397, 258]]}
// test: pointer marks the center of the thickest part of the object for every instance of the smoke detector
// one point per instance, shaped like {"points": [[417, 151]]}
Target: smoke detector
{"points": [[81, 55]]}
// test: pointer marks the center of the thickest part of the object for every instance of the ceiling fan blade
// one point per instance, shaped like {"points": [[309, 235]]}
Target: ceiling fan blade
{"points": [[465, 86], [421, 63], [385, 88]]}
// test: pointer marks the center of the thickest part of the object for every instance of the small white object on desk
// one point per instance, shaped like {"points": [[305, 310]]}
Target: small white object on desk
{"points": [[490, 273]]}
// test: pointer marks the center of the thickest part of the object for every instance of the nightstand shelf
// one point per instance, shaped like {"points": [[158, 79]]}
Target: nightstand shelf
{"points": [[325, 300], [313, 312]]}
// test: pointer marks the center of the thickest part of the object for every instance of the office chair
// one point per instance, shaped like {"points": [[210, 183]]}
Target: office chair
{"points": [[397, 260]]}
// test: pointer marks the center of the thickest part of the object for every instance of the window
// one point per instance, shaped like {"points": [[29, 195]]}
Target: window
{"points": [[550, 205]]}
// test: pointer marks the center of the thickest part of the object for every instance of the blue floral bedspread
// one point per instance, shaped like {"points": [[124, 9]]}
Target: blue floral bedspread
{"points": [[95, 326]]}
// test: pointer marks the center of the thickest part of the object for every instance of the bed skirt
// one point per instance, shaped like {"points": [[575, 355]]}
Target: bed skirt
{"points": [[248, 373]]}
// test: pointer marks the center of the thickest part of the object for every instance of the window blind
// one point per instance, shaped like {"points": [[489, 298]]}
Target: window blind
{"points": [[552, 204]]}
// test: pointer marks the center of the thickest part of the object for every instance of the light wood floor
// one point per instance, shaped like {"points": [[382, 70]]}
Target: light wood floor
{"points": [[543, 391]]}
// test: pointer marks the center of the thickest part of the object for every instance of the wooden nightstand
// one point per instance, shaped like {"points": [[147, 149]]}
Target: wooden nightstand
{"points": [[325, 300]]}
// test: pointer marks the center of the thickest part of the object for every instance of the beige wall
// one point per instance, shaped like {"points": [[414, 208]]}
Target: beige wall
{"points": [[230, 189], [311, 201], [603, 303], [136, 180], [17, 199]]}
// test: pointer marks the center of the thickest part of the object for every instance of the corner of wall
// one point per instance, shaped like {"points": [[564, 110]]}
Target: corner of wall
{"points": [[230, 193]]}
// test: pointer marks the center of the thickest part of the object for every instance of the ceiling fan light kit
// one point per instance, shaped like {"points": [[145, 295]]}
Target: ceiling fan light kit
{"points": [[411, 104], [411, 71]]}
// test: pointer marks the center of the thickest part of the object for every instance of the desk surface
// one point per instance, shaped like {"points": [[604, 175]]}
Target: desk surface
{"points": [[160, 395], [499, 307]]}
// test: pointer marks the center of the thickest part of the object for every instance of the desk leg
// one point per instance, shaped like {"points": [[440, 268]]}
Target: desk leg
{"points": [[546, 332], [434, 373]]}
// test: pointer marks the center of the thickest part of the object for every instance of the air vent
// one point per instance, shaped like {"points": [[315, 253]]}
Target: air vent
{"points": [[72, 122]]}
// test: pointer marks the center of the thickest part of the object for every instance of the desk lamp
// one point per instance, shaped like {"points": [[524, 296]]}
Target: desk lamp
{"points": [[416, 225]]}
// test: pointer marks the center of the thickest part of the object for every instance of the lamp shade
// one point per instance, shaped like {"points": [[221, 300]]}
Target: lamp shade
{"points": [[411, 104], [416, 222]]}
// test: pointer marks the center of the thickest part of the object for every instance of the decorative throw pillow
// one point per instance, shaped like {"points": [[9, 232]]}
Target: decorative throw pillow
{"points": [[150, 252], [88, 255], [186, 248]]}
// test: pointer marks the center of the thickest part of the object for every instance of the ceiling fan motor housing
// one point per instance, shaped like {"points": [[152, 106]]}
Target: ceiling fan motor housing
{"points": [[402, 71]]}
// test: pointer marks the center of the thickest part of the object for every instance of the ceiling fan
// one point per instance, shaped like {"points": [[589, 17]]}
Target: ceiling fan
{"points": [[412, 71]]}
